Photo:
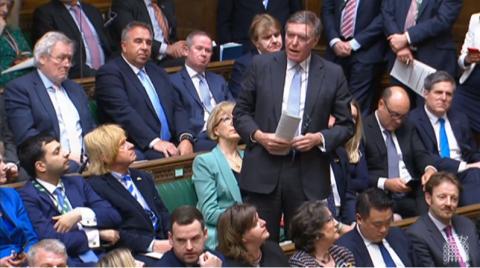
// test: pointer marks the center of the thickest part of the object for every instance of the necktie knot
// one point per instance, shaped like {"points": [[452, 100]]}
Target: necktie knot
{"points": [[448, 230], [126, 178], [441, 120]]}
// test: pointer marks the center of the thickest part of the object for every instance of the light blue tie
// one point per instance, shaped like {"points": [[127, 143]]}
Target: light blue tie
{"points": [[265, 4], [129, 183], [444, 147], [205, 93], [293, 104], [392, 156], [152, 95]]}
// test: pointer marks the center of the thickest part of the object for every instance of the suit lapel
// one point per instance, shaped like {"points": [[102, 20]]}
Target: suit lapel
{"points": [[422, 7], [362, 251], [142, 188], [277, 76], [115, 185], [426, 125], [163, 94], [215, 89], [314, 85], [188, 83], [377, 136], [227, 174], [74, 196], [75, 100], [45, 100], [457, 130], [462, 233]]}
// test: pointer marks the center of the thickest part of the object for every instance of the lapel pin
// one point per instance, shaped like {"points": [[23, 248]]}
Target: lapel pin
{"points": [[139, 178]]}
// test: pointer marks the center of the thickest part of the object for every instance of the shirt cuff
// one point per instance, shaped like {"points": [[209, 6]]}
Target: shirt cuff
{"points": [[430, 166], [408, 38], [381, 183], [153, 142], [150, 247], [462, 166], [162, 51], [88, 217], [334, 41], [93, 236], [355, 45], [252, 138], [322, 146]]}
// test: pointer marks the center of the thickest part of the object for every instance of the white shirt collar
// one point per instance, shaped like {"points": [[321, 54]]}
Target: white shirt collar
{"points": [[440, 226], [45, 80], [50, 187], [304, 64], [191, 72], [378, 122], [134, 68], [433, 118]]}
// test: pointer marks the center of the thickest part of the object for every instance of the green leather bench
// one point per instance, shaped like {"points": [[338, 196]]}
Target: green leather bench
{"points": [[177, 193]]}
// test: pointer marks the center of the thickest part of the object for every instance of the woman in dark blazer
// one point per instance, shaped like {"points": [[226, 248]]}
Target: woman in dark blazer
{"points": [[215, 174]]}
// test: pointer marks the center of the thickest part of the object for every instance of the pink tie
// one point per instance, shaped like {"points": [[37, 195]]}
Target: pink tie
{"points": [[453, 246], [411, 15], [90, 39], [348, 19]]}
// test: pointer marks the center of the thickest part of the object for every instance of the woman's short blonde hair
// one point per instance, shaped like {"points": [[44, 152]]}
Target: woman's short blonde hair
{"points": [[120, 257], [102, 146], [262, 23], [223, 108]]}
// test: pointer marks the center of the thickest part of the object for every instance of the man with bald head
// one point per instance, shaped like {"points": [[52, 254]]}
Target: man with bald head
{"points": [[396, 157]]}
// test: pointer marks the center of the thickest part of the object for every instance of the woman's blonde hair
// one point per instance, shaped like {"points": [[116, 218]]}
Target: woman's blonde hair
{"points": [[262, 23], [120, 257], [353, 144], [224, 107], [102, 146]]}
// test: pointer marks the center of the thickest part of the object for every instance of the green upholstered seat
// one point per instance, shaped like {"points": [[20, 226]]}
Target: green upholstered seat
{"points": [[177, 193]]}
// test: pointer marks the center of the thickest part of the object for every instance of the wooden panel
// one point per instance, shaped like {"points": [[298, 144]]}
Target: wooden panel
{"points": [[196, 15]]}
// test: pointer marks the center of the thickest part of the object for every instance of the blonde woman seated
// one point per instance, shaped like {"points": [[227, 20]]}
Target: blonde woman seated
{"points": [[243, 239], [120, 257], [314, 231], [215, 174]]}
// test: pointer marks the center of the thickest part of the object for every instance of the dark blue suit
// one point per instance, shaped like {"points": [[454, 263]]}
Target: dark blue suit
{"points": [[136, 230], [41, 209], [239, 69], [361, 67], [188, 98], [122, 99], [470, 154], [30, 110], [396, 238], [432, 34], [22, 234]]}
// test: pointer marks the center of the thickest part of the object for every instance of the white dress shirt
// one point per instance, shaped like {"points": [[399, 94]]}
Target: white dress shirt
{"points": [[196, 83], [376, 254]]}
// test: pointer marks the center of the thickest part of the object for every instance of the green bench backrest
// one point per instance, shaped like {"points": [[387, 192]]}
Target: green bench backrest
{"points": [[177, 193]]}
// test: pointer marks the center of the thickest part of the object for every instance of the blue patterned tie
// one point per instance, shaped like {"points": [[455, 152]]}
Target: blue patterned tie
{"points": [[205, 93], [157, 106], [387, 258], [129, 183], [444, 147], [392, 155], [293, 104]]}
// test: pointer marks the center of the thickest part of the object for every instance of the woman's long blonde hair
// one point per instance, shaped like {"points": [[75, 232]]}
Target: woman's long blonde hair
{"points": [[353, 144]]}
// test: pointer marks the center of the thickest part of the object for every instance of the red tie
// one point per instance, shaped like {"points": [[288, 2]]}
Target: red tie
{"points": [[348, 18], [92, 44], [411, 15]]}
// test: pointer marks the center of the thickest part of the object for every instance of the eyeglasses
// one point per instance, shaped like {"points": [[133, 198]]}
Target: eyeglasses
{"points": [[225, 120], [394, 115], [61, 58]]}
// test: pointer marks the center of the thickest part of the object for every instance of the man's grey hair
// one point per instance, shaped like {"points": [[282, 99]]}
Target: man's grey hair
{"points": [[437, 77], [189, 39], [135, 24], [308, 18], [46, 43], [48, 245]]}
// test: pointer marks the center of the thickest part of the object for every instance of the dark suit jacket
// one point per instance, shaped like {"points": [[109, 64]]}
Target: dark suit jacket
{"points": [[238, 73], [368, 30], [343, 180], [135, 10], [30, 110], [234, 17], [461, 131], [414, 154], [396, 238], [41, 209], [428, 242], [22, 237], [136, 230], [53, 16], [6, 136], [432, 34], [122, 99], [259, 107], [272, 256], [188, 98]]}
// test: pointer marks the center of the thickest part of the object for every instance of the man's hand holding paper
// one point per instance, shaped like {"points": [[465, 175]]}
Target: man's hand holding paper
{"points": [[272, 143], [306, 142]]}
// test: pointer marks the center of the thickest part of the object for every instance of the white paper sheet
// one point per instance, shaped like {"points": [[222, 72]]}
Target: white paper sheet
{"points": [[412, 75]]}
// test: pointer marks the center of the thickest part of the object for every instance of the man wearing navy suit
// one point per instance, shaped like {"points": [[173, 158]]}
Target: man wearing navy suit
{"points": [[447, 136], [45, 100], [82, 23], [278, 175], [135, 93], [145, 219], [422, 30], [354, 31], [440, 238], [197, 90], [373, 242], [64, 207]]}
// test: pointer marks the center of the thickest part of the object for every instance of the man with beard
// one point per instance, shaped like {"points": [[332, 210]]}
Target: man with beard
{"points": [[441, 238]]}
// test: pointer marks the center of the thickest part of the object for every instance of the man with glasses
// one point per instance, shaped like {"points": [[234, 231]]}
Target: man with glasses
{"points": [[396, 157], [45, 100]]}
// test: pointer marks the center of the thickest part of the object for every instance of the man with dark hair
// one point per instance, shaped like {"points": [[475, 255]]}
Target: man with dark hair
{"points": [[396, 157], [199, 90], [135, 93], [187, 236], [441, 238], [373, 242], [447, 136], [278, 175], [64, 207]]}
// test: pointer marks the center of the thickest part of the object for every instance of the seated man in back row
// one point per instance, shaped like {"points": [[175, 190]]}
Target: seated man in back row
{"points": [[447, 135], [198, 90], [64, 207], [134, 92]]}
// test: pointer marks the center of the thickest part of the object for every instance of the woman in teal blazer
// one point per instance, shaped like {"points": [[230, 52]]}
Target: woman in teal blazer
{"points": [[215, 173]]}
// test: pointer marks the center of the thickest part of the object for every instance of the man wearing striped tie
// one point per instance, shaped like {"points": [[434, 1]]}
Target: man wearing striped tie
{"points": [[65, 207]]}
